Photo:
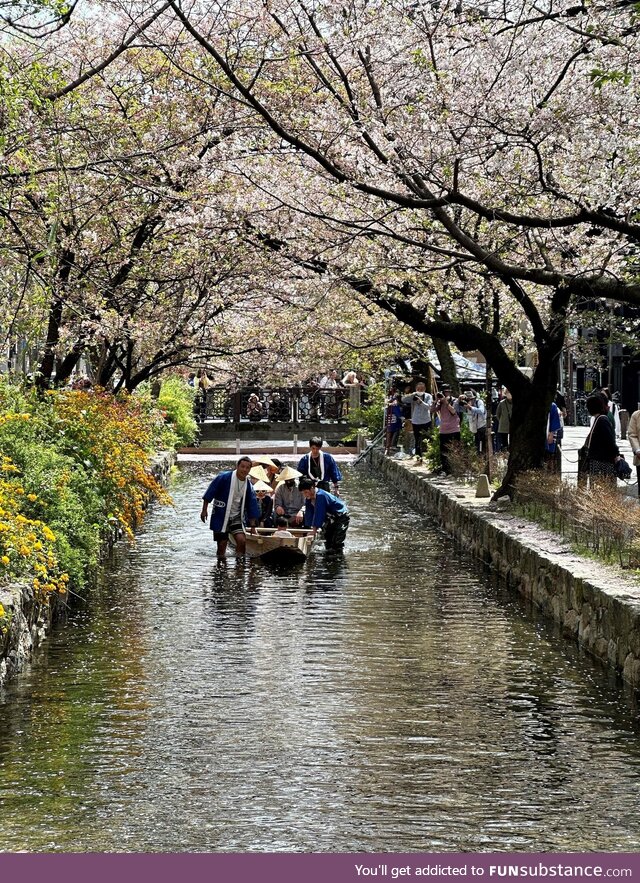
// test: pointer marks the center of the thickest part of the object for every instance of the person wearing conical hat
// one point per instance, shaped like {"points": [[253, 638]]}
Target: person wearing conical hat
{"points": [[258, 473], [265, 502], [262, 460], [288, 501], [271, 467]]}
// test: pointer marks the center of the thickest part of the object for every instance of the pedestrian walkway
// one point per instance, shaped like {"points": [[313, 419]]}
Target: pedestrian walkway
{"points": [[574, 438]]}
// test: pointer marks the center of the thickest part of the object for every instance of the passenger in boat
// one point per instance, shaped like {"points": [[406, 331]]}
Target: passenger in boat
{"points": [[281, 529], [258, 473], [321, 467], [234, 503], [288, 500], [326, 511], [271, 468], [274, 471], [264, 496]]}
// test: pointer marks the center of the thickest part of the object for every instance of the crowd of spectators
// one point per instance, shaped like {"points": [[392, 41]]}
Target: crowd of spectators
{"points": [[329, 395], [414, 414]]}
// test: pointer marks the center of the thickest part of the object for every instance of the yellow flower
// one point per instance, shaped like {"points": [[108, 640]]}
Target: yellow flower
{"points": [[5, 560], [32, 498]]}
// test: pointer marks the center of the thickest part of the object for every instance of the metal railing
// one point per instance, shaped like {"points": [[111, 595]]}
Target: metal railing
{"points": [[297, 404]]}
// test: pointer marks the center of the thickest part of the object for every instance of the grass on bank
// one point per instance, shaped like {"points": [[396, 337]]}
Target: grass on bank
{"points": [[601, 520]]}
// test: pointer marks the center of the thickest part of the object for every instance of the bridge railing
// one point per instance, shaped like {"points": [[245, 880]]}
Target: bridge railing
{"points": [[291, 404]]}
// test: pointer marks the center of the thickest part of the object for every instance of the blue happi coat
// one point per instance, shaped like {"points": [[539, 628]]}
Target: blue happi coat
{"points": [[316, 511], [328, 468], [219, 494], [554, 423]]}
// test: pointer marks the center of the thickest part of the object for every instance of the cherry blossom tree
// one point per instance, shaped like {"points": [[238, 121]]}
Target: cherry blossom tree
{"points": [[497, 142]]}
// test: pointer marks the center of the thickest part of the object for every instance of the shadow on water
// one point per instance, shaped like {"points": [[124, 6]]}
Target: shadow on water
{"points": [[396, 697]]}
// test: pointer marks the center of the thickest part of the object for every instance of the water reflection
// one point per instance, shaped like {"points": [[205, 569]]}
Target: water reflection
{"points": [[396, 697]]}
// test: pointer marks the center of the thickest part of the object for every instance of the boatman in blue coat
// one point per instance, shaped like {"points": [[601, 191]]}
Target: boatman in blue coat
{"points": [[323, 510], [321, 467], [234, 503]]}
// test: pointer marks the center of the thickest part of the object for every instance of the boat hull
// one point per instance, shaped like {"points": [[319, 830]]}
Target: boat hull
{"points": [[264, 545]]}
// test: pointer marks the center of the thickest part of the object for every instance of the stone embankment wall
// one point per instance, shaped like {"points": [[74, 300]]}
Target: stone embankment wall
{"points": [[31, 620], [597, 605]]}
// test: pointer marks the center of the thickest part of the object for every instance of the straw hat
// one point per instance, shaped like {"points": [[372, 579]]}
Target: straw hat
{"points": [[287, 473], [262, 486], [264, 460], [260, 473]]}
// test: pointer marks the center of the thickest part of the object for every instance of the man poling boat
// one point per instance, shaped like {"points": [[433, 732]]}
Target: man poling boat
{"points": [[320, 467], [325, 511]]}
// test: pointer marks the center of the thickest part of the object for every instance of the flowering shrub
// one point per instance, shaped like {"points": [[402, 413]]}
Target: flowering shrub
{"points": [[72, 466], [27, 545], [114, 438]]}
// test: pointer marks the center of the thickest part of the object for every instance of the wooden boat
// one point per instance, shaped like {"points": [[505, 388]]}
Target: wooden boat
{"points": [[264, 545]]}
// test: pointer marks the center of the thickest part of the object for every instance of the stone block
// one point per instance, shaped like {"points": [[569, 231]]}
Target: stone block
{"points": [[482, 486], [631, 670], [633, 641], [600, 648], [571, 621]]}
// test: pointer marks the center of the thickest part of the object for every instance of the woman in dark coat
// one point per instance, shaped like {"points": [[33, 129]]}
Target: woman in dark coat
{"points": [[603, 450]]}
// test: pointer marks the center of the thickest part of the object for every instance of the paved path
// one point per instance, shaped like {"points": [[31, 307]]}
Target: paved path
{"points": [[574, 437]]}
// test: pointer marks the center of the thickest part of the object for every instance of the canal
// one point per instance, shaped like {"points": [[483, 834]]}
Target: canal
{"points": [[397, 698]]}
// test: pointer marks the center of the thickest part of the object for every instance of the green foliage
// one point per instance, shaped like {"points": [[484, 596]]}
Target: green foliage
{"points": [[432, 451], [67, 501], [600, 77], [176, 401], [170, 415], [371, 416]]}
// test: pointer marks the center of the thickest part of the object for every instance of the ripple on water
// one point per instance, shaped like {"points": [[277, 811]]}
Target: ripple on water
{"points": [[394, 698]]}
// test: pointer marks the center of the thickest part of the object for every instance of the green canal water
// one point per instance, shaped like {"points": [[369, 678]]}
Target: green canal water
{"points": [[397, 698]]}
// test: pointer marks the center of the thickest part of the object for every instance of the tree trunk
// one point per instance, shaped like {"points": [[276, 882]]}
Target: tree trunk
{"points": [[447, 365], [66, 366], [527, 436], [45, 369]]}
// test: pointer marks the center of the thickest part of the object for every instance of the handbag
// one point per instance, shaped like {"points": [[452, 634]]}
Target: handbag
{"points": [[583, 460], [623, 470]]}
